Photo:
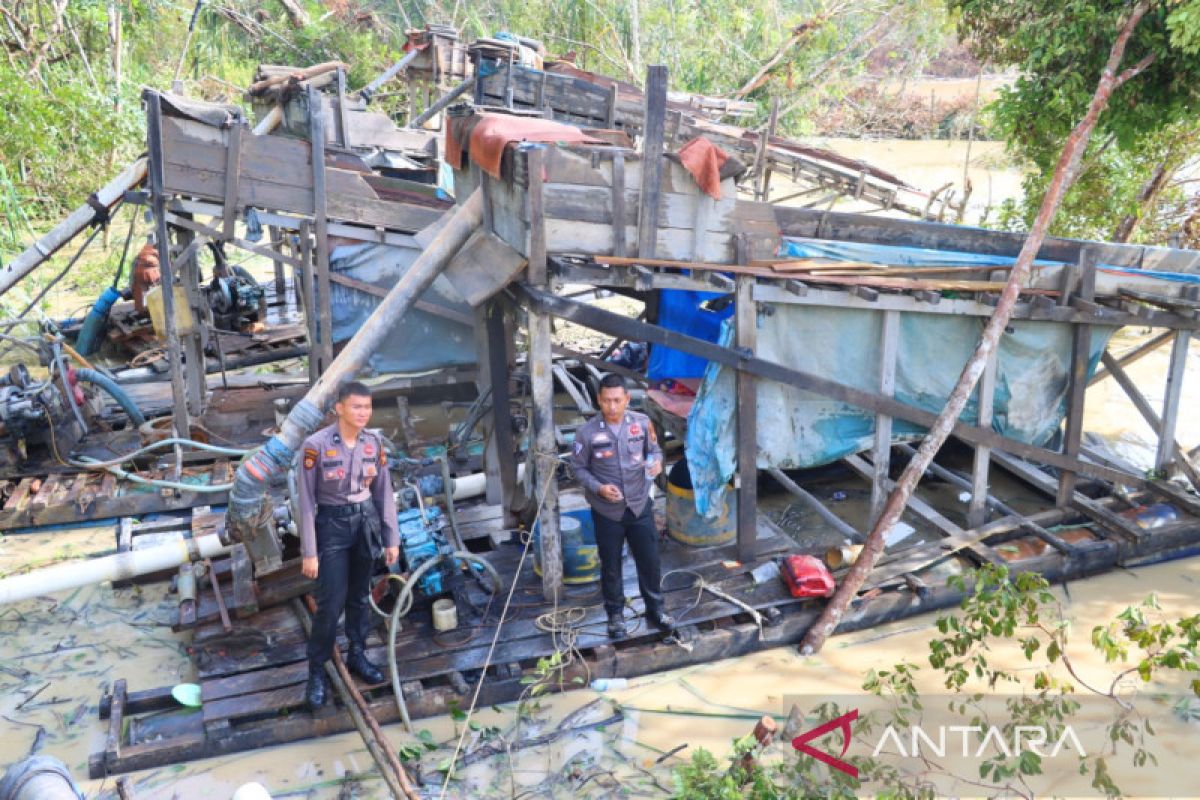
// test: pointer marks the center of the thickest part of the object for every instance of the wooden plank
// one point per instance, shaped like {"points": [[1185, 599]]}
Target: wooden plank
{"points": [[541, 377], [1172, 396], [977, 508], [1148, 413], [746, 333], [323, 350], [483, 266], [618, 203], [928, 513], [245, 599], [1089, 507], [1084, 273], [116, 721], [881, 454], [310, 300], [233, 150], [652, 159]]}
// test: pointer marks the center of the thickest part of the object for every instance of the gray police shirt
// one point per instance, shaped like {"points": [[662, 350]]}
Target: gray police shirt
{"points": [[334, 474], [617, 455]]}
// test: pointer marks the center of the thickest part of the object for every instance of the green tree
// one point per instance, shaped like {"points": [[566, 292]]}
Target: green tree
{"points": [[1059, 50]]}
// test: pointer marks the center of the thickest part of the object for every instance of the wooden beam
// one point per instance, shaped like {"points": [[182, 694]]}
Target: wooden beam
{"points": [[889, 343], [1136, 354], [309, 294], [1081, 279], [1173, 394], [831, 519], [1148, 413], [541, 379], [652, 159], [746, 333], [233, 161], [501, 447], [980, 466], [158, 200], [323, 348], [618, 204]]}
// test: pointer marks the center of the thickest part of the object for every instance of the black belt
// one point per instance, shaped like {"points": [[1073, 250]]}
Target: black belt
{"points": [[347, 510]]}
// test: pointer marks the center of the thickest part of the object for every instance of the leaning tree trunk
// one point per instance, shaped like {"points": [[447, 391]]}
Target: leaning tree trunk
{"points": [[1065, 173]]}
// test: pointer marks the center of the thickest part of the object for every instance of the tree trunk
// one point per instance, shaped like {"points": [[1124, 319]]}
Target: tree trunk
{"points": [[1065, 174]]}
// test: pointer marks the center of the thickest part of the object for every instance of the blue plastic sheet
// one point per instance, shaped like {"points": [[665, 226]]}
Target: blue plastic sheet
{"points": [[680, 310]]}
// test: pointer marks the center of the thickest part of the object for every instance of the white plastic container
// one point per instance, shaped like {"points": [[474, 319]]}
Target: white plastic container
{"points": [[445, 615]]}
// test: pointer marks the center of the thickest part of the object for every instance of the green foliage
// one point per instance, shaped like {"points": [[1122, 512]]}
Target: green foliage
{"points": [[998, 611], [1059, 50]]}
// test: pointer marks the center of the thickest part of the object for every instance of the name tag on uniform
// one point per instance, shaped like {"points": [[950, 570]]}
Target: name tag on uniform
{"points": [[604, 454], [601, 440], [334, 463]]}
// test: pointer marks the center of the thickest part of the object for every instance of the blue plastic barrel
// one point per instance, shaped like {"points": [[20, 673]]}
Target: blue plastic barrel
{"points": [[581, 559]]}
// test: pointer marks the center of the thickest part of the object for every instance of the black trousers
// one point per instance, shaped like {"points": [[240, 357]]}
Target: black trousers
{"points": [[642, 535], [347, 559]]}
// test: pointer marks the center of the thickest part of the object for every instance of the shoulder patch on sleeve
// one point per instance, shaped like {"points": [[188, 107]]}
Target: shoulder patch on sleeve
{"points": [[310, 458]]}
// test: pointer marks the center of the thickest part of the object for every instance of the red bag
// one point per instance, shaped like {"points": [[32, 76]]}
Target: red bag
{"points": [[806, 576]]}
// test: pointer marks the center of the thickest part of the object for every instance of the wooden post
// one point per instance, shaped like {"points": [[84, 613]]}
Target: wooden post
{"points": [[542, 389], [316, 131], [1172, 394], [233, 162], [276, 237], [881, 455], [308, 294], [1081, 346], [343, 118], [618, 203], [762, 172], [159, 202], [652, 159], [185, 268], [494, 341], [746, 333], [977, 510]]}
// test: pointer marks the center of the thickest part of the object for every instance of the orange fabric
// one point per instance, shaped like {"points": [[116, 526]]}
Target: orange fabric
{"points": [[704, 160], [491, 133]]}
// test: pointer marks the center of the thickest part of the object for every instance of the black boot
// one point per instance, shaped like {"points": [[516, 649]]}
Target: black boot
{"points": [[616, 625], [358, 663], [660, 619], [318, 686]]}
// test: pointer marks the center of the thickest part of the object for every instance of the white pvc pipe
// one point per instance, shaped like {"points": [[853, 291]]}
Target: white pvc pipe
{"points": [[474, 484], [120, 566]]}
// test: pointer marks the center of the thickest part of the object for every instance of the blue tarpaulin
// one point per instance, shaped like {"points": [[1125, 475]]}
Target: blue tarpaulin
{"points": [[798, 429], [680, 310]]}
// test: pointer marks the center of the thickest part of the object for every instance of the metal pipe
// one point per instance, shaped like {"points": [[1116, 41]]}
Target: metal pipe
{"points": [[275, 457], [442, 102], [119, 566], [395, 69]]}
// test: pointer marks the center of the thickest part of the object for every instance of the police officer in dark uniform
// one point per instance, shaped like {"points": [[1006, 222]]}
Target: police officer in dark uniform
{"points": [[616, 458], [347, 520]]}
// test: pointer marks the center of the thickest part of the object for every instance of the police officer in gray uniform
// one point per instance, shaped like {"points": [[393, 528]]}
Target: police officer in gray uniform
{"points": [[616, 457], [347, 521]]}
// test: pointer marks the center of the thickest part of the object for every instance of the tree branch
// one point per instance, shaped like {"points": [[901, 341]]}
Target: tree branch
{"points": [[1065, 174]]}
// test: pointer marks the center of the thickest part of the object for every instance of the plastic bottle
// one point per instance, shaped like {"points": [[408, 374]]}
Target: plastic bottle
{"points": [[604, 684]]}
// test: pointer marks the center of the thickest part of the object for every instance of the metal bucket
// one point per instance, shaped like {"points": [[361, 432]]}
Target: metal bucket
{"points": [[581, 559], [685, 524]]}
